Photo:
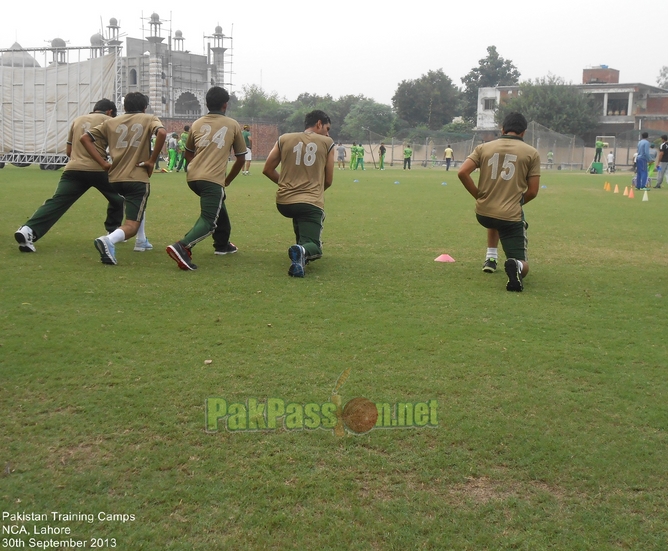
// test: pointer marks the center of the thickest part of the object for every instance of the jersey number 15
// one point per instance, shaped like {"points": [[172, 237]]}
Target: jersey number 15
{"points": [[507, 168]]}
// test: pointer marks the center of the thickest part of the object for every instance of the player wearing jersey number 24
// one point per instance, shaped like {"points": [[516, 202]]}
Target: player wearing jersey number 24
{"points": [[211, 140]]}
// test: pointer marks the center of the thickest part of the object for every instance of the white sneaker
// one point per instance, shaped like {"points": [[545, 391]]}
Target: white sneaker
{"points": [[24, 238], [142, 246]]}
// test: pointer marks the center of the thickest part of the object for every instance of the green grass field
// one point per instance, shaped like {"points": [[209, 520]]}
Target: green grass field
{"points": [[552, 410]]}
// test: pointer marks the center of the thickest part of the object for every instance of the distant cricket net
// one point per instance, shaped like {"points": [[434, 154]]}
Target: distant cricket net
{"points": [[558, 151]]}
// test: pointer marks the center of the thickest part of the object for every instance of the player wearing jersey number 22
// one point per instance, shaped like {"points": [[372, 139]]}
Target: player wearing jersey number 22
{"points": [[128, 138]]}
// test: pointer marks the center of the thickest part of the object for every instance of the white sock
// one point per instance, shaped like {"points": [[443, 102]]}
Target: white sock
{"points": [[141, 233], [493, 253], [520, 265], [117, 236]]}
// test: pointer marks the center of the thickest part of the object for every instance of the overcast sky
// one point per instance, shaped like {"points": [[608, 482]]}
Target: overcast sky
{"points": [[370, 47]]}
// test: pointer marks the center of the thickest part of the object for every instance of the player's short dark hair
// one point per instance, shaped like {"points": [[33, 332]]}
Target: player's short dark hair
{"points": [[664, 137], [515, 123], [135, 102], [312, 118], [186, 128], [105, 105], [645, 135], [216, 97]]}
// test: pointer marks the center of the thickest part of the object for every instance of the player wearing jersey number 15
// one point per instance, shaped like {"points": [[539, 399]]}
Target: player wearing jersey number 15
{"points": [[509, 178]]}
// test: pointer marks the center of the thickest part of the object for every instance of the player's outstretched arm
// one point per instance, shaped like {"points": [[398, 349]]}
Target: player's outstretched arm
{"points": [[271, 164], [464, 176]]}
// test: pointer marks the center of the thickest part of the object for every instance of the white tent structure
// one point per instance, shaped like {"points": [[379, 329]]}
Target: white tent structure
{"points": [[45, 89]]}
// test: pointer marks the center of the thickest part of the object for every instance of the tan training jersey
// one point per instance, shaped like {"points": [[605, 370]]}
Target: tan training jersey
{"points": [[303, 162], [128, 137], [505, 164], [211, 139], [80, 159]]}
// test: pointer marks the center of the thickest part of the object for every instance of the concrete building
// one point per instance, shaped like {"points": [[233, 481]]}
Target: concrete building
{"points": [[175, 79], [623, 106]]}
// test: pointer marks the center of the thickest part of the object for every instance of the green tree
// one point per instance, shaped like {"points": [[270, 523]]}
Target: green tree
{"points": [[431, 100], [553, 103], [662, 79], [336, 109], [491, 71], [258, 104], [365, 116]]}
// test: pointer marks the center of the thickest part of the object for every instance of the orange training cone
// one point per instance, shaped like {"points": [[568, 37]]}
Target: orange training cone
{"points": [[605, 186], [616, 188], [631, 196], [626, 191]]}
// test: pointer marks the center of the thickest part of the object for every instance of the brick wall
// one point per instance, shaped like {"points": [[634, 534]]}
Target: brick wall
{"points": [[264, 135]]}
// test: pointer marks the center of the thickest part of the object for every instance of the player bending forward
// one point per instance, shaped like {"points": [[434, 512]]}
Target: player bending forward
{"points": [[307, 170], [509, 178]]}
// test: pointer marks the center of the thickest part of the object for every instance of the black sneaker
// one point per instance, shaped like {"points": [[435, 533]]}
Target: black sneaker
{"points": [[514, 276], [181, 255], [230, 248], [297, 255], [489, 266]]}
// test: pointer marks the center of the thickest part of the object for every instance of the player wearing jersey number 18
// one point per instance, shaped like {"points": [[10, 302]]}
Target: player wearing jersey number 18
{"points": [[307, 170], [509, 178]]}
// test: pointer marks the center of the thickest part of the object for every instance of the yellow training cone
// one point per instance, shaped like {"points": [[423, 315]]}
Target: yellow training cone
{"points": [[626, 191], [616, 188], [645, 197]]}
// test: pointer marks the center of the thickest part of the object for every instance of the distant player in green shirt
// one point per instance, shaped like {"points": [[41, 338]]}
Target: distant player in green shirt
{"points": [[599, 150], [249, 144], [183, 163], [408, 154], [381, 153], [353, 156], [360, 157]]}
